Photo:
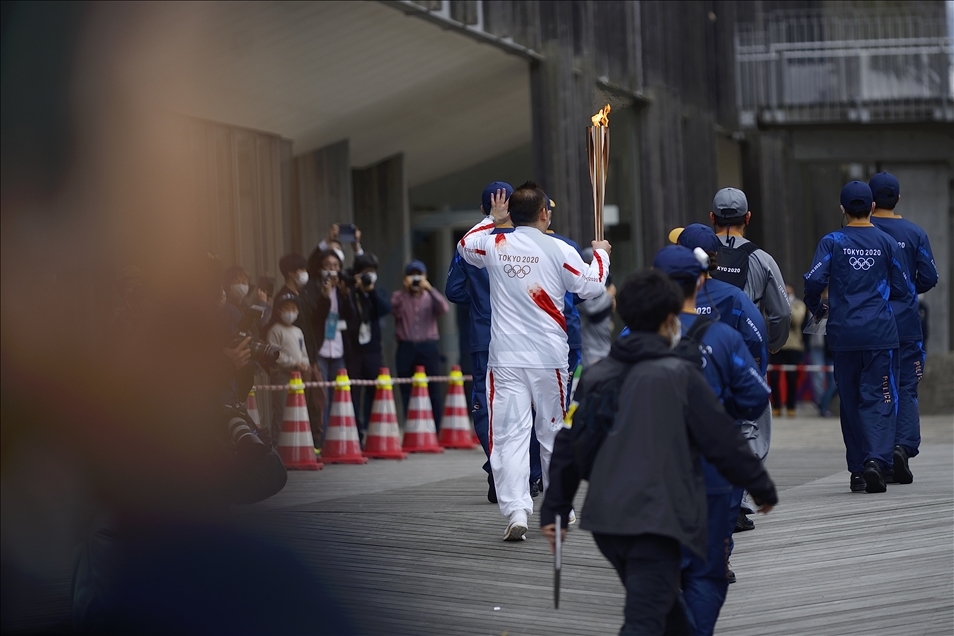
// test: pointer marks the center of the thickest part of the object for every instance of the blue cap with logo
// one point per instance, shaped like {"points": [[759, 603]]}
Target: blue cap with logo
{"points": [[885, 189], [676, 259], [856, 197], [696, 235], [491, 189]]}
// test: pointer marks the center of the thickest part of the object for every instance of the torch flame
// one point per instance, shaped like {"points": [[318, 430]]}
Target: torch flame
{"points": [[601, 118]]}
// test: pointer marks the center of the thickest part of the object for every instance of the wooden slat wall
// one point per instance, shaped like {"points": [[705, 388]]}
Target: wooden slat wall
{"points": [[236, 180], [324, 193]]}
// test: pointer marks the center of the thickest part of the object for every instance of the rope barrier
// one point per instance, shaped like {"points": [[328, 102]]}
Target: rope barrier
{"points": [[800, 367], [333, 383]]}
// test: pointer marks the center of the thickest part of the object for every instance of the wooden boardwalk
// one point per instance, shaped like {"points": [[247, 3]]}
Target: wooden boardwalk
{"points": [[414, 548]]}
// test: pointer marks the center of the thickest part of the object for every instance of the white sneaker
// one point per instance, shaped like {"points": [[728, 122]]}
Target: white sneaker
{"points": [[571, 518], [517, 528]]}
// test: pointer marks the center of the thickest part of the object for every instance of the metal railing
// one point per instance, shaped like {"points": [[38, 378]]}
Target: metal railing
{"points": [[818, 67]]}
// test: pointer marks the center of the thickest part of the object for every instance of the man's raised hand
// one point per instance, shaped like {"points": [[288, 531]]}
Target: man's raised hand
{"points": [[499, 206]]}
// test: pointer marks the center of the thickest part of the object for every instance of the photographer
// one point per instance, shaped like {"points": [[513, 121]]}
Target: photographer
{"points": [[369, 304], [416, 310], [331, 317]]}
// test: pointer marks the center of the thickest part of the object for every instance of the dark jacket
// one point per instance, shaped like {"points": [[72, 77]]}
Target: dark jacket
{"points": [[370, 309], [647, 477], [322, 309]]}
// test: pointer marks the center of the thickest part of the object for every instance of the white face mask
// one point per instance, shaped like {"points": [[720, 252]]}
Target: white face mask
{"points": [[675, 334], [289, 317], [239, 290], [301, 278]]}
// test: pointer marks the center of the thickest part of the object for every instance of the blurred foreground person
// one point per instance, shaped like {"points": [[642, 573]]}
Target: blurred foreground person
{"points": [[647, 494]]}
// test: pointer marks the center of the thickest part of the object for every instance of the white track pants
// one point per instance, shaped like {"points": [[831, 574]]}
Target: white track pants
{"points": [[511, 394]]}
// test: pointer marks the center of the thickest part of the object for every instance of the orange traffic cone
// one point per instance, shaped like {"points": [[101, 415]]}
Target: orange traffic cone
{"points": [[456, 431], [384, 436], [295, 443], [341, 437], [251, 405], [420, 433]]}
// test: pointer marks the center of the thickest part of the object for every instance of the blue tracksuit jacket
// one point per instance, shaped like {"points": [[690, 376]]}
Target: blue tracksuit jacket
{"points": [[860, 266], [731, 305], [917, 261]]}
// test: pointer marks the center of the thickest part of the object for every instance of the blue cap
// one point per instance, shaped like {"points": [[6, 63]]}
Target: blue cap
{"points": [[885, 189], [415, 266], [490, 189], [698, 235], [676, 259], [856, 197]]}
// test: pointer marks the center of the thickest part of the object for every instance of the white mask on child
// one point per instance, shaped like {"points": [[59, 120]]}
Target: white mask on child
{"points": [[289, 317]]}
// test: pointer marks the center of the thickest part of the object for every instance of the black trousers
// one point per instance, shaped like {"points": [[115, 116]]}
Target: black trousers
{"points": [[649, 567], [365, 365], [785, 356], [426, 354]]}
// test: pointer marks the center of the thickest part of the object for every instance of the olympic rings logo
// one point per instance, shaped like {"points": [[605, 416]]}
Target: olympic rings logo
{"points": [[861, 263], [516, 271]]}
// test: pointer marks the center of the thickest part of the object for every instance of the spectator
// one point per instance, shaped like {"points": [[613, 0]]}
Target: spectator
{"points": [[416, 309], [235, 282], [791, 353], [332, 313], [293, 357], [262, 298], [369, 305], [293, 269], [332, 242], [596, 320]]}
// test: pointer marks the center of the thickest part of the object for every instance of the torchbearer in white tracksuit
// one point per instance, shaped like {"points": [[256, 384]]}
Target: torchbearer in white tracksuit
{"points": [[530, 273]]}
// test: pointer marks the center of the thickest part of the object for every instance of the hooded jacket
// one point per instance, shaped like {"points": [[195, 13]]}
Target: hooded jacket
{"points": [[647, 477]]}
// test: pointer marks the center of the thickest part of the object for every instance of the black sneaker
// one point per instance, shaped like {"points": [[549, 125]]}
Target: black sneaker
{"points": [[743, 523], [857, 482], [730, 577], [902, 473], [874, 482], [492, 490], [536, 487]]}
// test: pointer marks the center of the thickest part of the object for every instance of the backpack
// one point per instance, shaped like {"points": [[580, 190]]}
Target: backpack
{"points": [[593, 416], [733, 264]]}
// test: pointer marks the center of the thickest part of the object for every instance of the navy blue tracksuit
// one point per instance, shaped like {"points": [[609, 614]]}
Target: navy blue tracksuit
{"points": [[729, 304], [740, 385], [860, 266], [914, 254]]}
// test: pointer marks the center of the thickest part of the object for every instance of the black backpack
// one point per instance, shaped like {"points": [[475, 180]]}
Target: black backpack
{"points": [[733, 264], [593, 417]]}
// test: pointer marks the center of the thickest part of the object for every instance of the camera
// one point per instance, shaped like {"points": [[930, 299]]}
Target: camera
{"points": [[240, 432], [367, 279], [262, 352], [416, 280]]}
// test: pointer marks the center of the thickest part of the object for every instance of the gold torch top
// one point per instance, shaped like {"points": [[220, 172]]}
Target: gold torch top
{"points": [[601, 119]]}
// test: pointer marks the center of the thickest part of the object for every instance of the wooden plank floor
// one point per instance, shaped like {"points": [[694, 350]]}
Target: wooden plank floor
{"points": [[414, 548]]}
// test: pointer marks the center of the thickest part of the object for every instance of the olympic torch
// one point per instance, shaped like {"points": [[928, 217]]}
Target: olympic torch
{"points": [[597, 148]]}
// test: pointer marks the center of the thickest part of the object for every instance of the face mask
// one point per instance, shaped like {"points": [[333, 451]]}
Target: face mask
{"points": [[301, 278], [675, 334], [369, 278], [239, 290], [289, 317], [328, 273], [339, 254]]}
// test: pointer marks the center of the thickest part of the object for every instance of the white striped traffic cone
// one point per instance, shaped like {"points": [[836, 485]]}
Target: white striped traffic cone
{"points": [[420, 433], [295, 443], [342, 445], [384, 436], [456, 430]]}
